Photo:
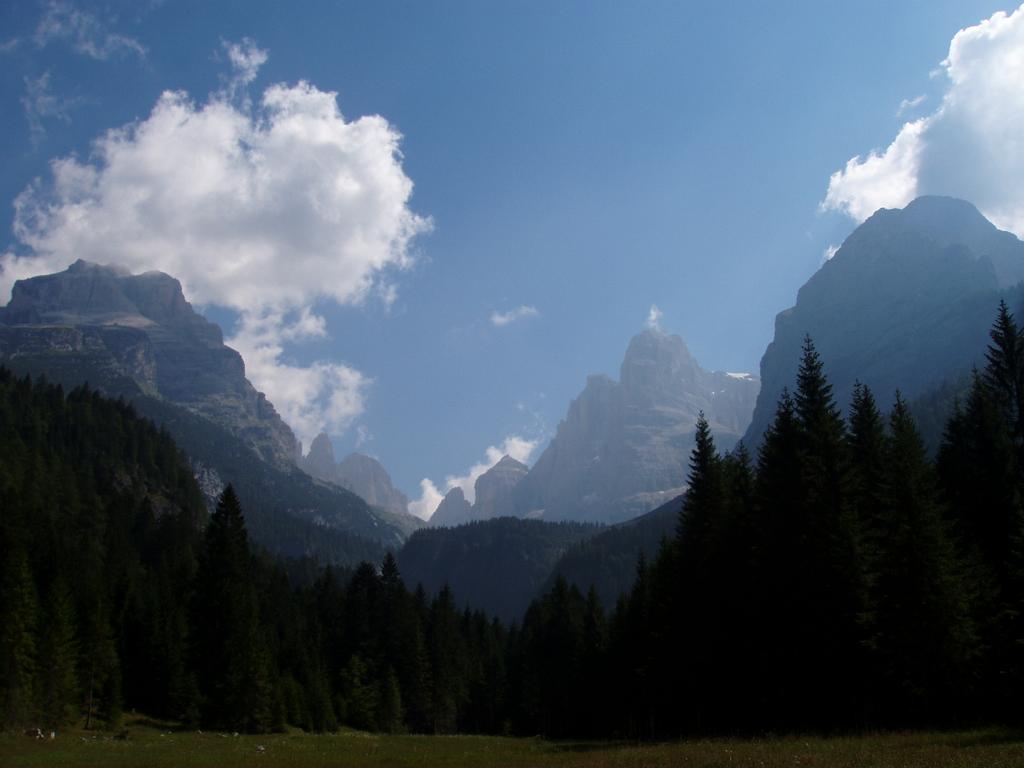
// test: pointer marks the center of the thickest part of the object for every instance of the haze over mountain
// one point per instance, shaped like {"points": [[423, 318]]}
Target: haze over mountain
{"points": [[364, 475], [623, 447], [493, 496], [905, 303]]}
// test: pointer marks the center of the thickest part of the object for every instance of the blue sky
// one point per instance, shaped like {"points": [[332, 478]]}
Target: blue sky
{"points": [[585, 160]]}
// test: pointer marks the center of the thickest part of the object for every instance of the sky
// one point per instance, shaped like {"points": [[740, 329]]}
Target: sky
{"points": [[424, 224]]}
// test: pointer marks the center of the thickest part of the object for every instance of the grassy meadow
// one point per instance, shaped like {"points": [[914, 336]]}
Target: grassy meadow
{"points": [[147, 744]]}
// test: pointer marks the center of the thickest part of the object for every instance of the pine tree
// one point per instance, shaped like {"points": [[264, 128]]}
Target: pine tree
{"points": [[231, 654], [922, 633], [1004, 371]]}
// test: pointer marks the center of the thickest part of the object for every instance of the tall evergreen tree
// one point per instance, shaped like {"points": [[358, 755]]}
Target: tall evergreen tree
{"points": [[922, 634], [230, 653]]}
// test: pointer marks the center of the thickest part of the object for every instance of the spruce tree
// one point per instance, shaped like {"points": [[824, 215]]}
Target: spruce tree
{"points": [[922, 635], [230, 653], [1004, 371]]}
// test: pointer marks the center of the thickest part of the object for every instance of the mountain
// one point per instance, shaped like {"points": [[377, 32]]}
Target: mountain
{"points": [[624, 446], [497, 566], [135, 336], [493, 496], [453, 510], [361, 474], [494, 488], [140, 327], [608, 560], [905, 303]]}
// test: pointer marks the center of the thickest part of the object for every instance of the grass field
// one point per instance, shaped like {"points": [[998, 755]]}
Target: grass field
{"points": [[148, 745]]}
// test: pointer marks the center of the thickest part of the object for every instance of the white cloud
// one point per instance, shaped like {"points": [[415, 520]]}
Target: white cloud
{"points": [[830, 251], [654, 318], [501, 319], [428, 502], [40, 103], [969, 147], [321, 396], [245, 58], [9, 46], [266, 211], [519, 448], [908, 104], [86, 34]]}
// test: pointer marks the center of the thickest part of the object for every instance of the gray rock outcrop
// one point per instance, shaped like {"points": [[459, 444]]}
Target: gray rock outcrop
{"points": [[453, 510], [138, 331], [623, 448], [361, 474]]}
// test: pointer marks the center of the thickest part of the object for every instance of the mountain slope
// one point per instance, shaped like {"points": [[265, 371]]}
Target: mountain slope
{"points": [[155, 338], [623, 446], [136, 337], [497, 566], [906, 303], [608, 560]]}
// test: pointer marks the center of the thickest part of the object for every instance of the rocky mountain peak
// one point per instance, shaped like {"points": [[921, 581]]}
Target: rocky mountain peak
{"points": [[140, 328], [657, 363], [453, 509], [904, 304], [623, 446], [366, 477], [320, 462]]}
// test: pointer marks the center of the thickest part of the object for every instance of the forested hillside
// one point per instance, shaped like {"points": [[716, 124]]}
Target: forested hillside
{"points": [[498, 566]]}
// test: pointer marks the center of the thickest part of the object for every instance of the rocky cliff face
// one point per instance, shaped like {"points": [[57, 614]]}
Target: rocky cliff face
{"points": [[493, 496], [361, 474], [320, 462], [905, 303], [453, 510], [494, 489], [138, 330], [624, 446], [366, 477]]}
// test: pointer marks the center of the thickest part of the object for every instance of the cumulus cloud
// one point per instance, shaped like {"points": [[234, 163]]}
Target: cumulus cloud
{"points": [[654, 318], [501, 319], [86, 34], [519, 448], [267, 210], [969, 147], [40, 103], [830, 251]]}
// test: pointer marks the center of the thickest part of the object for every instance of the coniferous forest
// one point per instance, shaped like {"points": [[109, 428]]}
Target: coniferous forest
{"points": [[842, 579]]}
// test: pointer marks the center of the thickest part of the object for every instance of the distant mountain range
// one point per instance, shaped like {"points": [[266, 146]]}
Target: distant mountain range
{"points": [[624, 445], [137, 337], [906, 303]]}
